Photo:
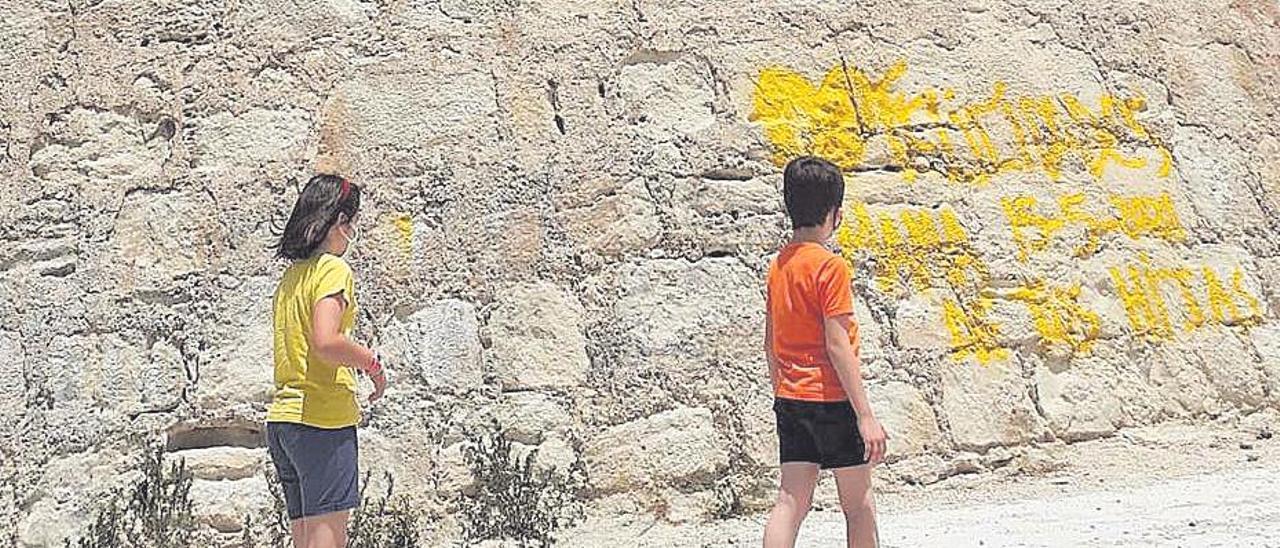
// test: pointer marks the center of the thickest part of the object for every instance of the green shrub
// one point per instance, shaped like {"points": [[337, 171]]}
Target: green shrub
{"points": [[155, 513], [513, 499], [385, 521]]}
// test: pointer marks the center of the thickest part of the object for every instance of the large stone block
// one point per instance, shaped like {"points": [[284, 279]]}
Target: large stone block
{"points": [[256, 136], [673, 447], [1266, 339], [667, 98], [1080, 402], [162, 235], [438, 345], [117, 371], [401, 104], [536, 338], [907, 418], [238, 369], [529, 417], [223, 505], [13, 360], [223, 463], [63, 499], [695, 310], [987, 405], [613, 222]]}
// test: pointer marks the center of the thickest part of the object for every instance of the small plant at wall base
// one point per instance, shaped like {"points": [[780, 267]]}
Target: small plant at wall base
{"points": [[273, 531], [515, 500], [155, 513], [385, 521]]}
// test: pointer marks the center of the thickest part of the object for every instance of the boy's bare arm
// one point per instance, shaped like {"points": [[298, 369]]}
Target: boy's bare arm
{"points": [[848, 366], [770, 359]]}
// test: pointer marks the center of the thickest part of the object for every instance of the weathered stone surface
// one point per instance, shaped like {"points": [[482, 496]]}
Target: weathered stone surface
{"points": [[612, 221], [239, 368], [1077, 404], [530, 417], [438, 345], [13, 360], [570, 206], [455, 475], [61, 502], [117, 371], [1266, 339], [223, 505], [536, 338], [677, 446], [163, 235], [906, 417], [919, 322], [556, 455], [223, 463], [256, 136], [666, 96], [987, 405]]}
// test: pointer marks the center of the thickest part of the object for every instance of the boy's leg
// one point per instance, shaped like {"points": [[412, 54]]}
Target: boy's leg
{"points": [[795, 497], [854, 486]]}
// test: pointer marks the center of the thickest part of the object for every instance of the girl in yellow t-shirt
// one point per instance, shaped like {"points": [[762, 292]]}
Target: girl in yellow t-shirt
{"points": [[311, 423]]}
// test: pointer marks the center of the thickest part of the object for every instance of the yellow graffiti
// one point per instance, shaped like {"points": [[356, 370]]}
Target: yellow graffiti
{"points": [[404, 229], [921, 248], [1135, 216], [909, 248], [1058, 316], [840, 117], [1140, 288], [972, 335]]}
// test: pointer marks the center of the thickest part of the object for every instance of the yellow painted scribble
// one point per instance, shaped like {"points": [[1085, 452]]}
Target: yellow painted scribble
{"points": [[404, 228], [972, 335], [928, 130], [908, 249], [1135, 216], [921, 248], [1140, 290], [1058, 316]]}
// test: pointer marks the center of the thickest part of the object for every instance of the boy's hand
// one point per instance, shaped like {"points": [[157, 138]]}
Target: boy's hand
{"points": [[379, 386], [873, 438]]}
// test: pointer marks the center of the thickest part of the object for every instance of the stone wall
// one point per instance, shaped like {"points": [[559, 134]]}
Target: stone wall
{"points": [[1063, 217]]}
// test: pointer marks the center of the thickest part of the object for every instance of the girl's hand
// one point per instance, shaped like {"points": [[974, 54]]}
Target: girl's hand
{"points": [[379, 386]]}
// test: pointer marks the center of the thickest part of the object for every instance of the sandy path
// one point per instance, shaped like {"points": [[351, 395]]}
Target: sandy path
{"points": [[1219, 509], [1173, 485]]}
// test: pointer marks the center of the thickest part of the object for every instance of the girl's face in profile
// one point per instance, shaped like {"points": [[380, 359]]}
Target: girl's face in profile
{"points": [[345, 234]]}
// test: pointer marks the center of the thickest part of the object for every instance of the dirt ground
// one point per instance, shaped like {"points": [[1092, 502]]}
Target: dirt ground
{"points": [[1169, 485]]}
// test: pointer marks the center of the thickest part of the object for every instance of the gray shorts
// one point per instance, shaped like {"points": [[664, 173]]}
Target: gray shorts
{"points": [[317, 467]]}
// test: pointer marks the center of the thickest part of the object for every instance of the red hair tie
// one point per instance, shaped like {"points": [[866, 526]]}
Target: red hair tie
{"points": [[346, 189]]}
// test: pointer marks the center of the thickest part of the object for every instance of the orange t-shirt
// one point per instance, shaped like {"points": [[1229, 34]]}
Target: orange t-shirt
{"points": [[807, 284]]}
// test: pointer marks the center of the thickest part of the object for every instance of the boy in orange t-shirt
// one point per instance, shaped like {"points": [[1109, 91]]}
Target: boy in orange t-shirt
{"points": [[811, 342]]}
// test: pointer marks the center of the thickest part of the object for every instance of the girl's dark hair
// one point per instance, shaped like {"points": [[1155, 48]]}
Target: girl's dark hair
{"points": [[325, 200]]}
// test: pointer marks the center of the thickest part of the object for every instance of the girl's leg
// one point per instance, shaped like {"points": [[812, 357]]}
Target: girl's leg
{"points": [[795, 497], [323, 531], [298, 532], [858, 503]]}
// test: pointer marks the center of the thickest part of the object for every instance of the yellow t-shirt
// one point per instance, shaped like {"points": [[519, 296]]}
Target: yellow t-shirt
{"points": [[308, 390]]}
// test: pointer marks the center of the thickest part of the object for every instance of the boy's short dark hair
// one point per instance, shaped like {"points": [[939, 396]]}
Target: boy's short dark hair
{"points": [[812, 188]]}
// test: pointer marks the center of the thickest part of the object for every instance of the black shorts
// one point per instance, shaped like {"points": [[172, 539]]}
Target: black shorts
{"points": [[317, 467], [823, 433]]}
